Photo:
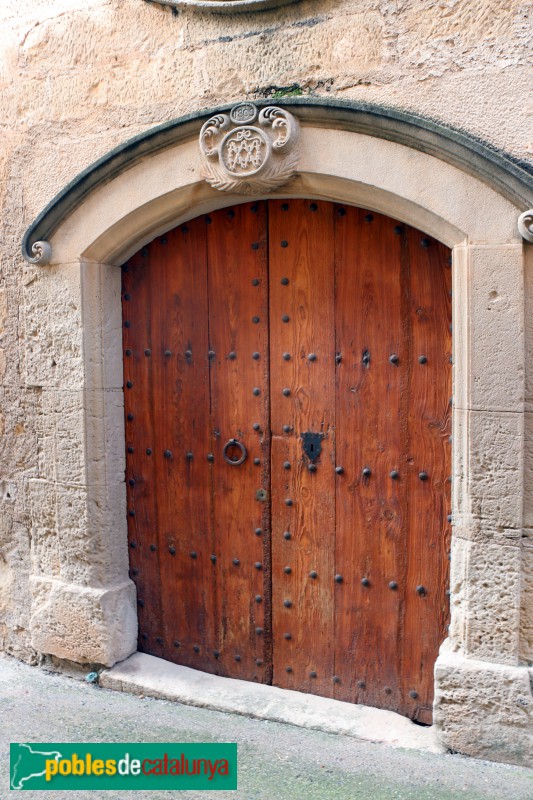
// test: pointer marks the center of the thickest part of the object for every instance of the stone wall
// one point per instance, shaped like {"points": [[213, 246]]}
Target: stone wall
{"points": [[79, 77]]}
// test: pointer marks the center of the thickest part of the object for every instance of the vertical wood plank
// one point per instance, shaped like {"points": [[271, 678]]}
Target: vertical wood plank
{"points": [[303, 399], [370, 541], [238, 333]]}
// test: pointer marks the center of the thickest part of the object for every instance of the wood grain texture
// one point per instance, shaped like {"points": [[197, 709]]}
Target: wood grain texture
{"points": [[301, 288], [261, 323]]}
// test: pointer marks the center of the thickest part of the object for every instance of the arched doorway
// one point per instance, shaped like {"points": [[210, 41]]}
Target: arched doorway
{"points": [[287, 398]]}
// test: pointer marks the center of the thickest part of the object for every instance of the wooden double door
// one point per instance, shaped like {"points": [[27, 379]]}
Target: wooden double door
{"points": [[287, 374]]}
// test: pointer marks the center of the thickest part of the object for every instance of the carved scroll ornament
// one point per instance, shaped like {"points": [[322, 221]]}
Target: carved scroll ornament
{"points": [[249, 151]]}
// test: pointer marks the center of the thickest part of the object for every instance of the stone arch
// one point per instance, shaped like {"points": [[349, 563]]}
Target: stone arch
{"points": [[432, 178]]}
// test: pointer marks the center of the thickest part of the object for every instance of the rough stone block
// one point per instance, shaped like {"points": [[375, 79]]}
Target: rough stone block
{"points": [[484, 710], [83, 624], [488, 318], [488, 474], [526, 611]]}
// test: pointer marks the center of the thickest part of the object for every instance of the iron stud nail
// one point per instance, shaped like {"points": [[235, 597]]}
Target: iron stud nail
{"points": [[258, 531], [131, 482], [257, 461], [211, 354], [144, 636], [413, 694], [254, 208], [285, 207], [312, 357], [189, 456], [216, 653], [312, 674], [256, 426], [449, 517], [394, 474], [313, 207], [422, 359], [393, 585], [284, 243], [286, 428], [287, 603], [361, 684], [184, 229], [144, 251], [133, 545], [288, 501], [168, 353], [256, 391], [286, 465], [188, 354], [127, 324], [131, 450], [255, 246], [208, 220], [398, 229], [131, 417], [286, 356], [286, 392], [196, 648], [213, 559], [255, 282], [167, 454], [338, 578], [284, 281], [148, 451], [448, 592], [231, 213], [255, 320], [339, 470], [258, 565], [421, 590], [131, 513], [177, 644], [127, 296], [147, 352], [424, 242], [255, 356], [341, 212], [172, 551], [258, 662], [128, 351], [258, 598], [287, 635], [288, 669], [153, 548], [237, 658], [394, 358], [285, 318], [336, 679], [313, 574], [369, 217], [236, 562], [312, 467], [232, 356], [287, 535], [367, 472], [338, 358], [210, 457], [287, 570], [129, 384], [365, 582], [423, 476], [135, 571], [388, 690], [159, 640], [259, 631], [194, 554]]}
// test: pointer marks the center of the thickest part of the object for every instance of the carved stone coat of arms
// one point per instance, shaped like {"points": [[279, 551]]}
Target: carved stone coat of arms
{"points": [[248, 151]]}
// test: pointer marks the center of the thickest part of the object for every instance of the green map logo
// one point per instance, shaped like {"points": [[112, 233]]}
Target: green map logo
{"points": [[38, 766]]}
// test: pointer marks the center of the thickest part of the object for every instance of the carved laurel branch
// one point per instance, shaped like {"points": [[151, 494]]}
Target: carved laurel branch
{"points": [[525, 225], [274, 176], [42, 253]]}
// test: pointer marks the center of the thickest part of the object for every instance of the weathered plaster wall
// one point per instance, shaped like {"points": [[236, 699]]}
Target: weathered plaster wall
{"points": [[78, 77]]}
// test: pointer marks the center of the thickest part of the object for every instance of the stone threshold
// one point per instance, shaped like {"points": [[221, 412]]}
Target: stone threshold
{"points": [[153, 677]]}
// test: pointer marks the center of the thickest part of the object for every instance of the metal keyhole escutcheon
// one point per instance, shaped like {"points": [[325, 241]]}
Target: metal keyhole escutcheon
{"points": [[233, 443]]}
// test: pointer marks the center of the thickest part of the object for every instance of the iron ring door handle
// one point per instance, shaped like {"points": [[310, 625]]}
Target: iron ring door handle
{"points": [[235, 462]]}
